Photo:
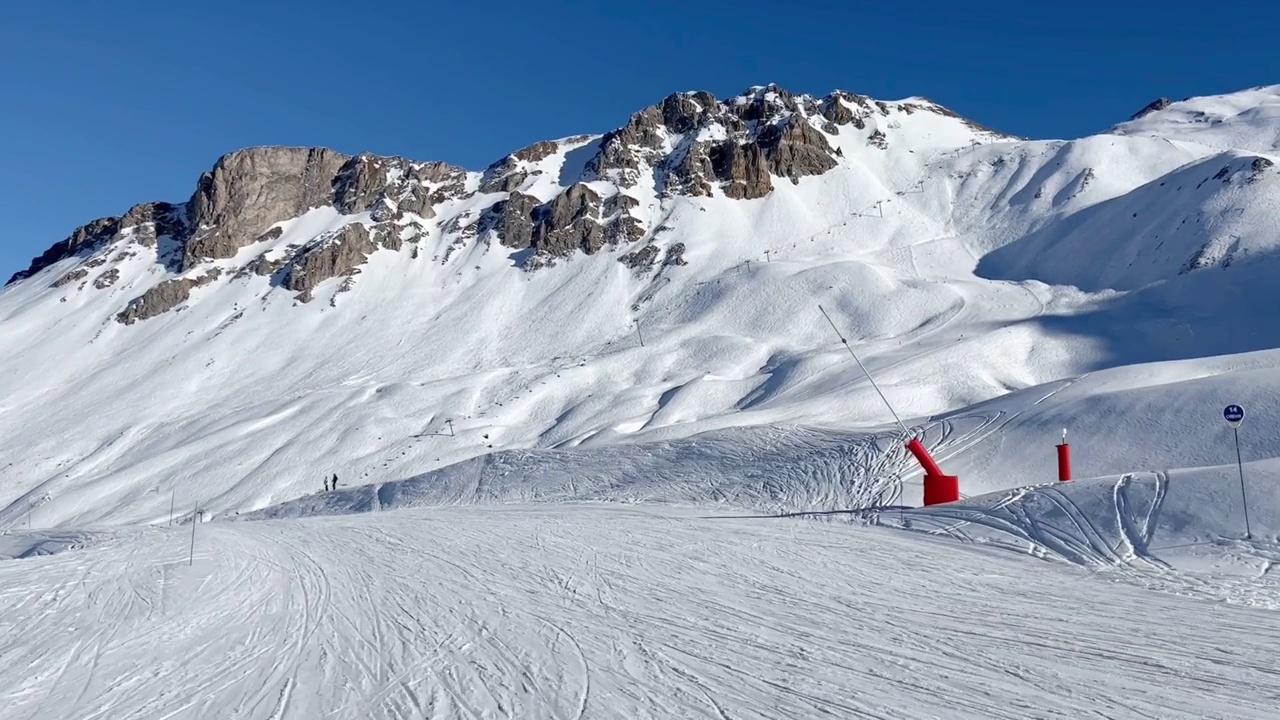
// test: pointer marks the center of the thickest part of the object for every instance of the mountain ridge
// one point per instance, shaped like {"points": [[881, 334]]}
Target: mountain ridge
{"points": [[999, 289], [742, 143]]}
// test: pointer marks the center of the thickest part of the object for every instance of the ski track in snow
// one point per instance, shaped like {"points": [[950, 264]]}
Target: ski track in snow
{"points": [[571, 612]]}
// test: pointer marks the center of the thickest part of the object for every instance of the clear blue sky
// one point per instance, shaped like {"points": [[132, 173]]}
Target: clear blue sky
{"points": [[111, 104]]}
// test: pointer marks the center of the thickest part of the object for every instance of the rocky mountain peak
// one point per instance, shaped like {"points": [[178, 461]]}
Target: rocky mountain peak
{"points": [[550, 199]]}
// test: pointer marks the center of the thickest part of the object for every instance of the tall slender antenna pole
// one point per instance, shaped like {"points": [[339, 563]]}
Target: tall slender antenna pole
{"points": [[864, 369]]}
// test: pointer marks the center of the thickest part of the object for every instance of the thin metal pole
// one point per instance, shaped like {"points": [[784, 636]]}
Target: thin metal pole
{"points": [[173, 496], [864, 369], [450, 424], [639, 334], [1248, 531], [194, 514]]}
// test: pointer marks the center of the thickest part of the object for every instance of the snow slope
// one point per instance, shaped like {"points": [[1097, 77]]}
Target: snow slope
{"points": [[1239, 120], [563, 611], [974, 276], [560, 488]]}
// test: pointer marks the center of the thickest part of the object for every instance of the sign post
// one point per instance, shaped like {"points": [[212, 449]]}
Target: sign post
{"points": [[1234, 415], [195, 518]]}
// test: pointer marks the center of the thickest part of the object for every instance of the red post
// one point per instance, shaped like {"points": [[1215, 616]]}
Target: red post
{"points": [[938, 488], [1064, 460]]}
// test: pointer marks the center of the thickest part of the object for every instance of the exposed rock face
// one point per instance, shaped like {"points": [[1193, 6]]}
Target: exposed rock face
{"points": [[692, 173], [835, 108], [74, 275], [505, 175], [1153, 106], [513, 220], [389, 188], [689, 143], [152, 220], [164, 297], [576, 219], [675, 255], [1259, 166], [336, 254], [622, 150], [737, 144], [570, 222], [250, 190], [640, 260], [537, 151], [643, 259], [683, 112], [743, 168], [141, 224], [107, 279], [795, 149]]}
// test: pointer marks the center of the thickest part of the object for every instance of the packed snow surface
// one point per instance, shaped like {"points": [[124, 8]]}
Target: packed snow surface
{"points": [[580, 492], [571, 611]]}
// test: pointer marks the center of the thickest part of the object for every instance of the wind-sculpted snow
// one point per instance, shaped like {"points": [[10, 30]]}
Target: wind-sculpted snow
{"points": [[571, 612]]}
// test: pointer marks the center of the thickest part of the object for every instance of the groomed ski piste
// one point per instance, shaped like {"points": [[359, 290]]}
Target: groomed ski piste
{"points": [[1129, 597], [540, 515]]}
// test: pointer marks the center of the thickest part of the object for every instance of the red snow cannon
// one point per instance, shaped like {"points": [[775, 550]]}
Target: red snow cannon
{"points": [[938, 488]]}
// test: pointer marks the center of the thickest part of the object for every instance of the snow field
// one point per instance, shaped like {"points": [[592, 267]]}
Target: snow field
{"points": [[573, 612]]}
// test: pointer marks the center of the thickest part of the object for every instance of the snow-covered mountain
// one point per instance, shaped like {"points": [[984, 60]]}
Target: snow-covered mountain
{"points": [[306, 313]]}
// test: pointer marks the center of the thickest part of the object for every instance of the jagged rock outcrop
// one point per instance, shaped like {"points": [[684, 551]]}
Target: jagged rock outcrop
{"points": [[570, 222], [640, 260], [622, 150], [1258, 166], [692, 173], [337, 254], [391, 188], [683, 112], [249, 190], [149, 221], [795, 149], [689, 143], [643, 259], [675, 255], [513, 220], [835, 108], [74, 275], [576, 219], [506, 175], [1153, 106], [164, 297], [743, 169], [107, 279], [141, 224]]}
